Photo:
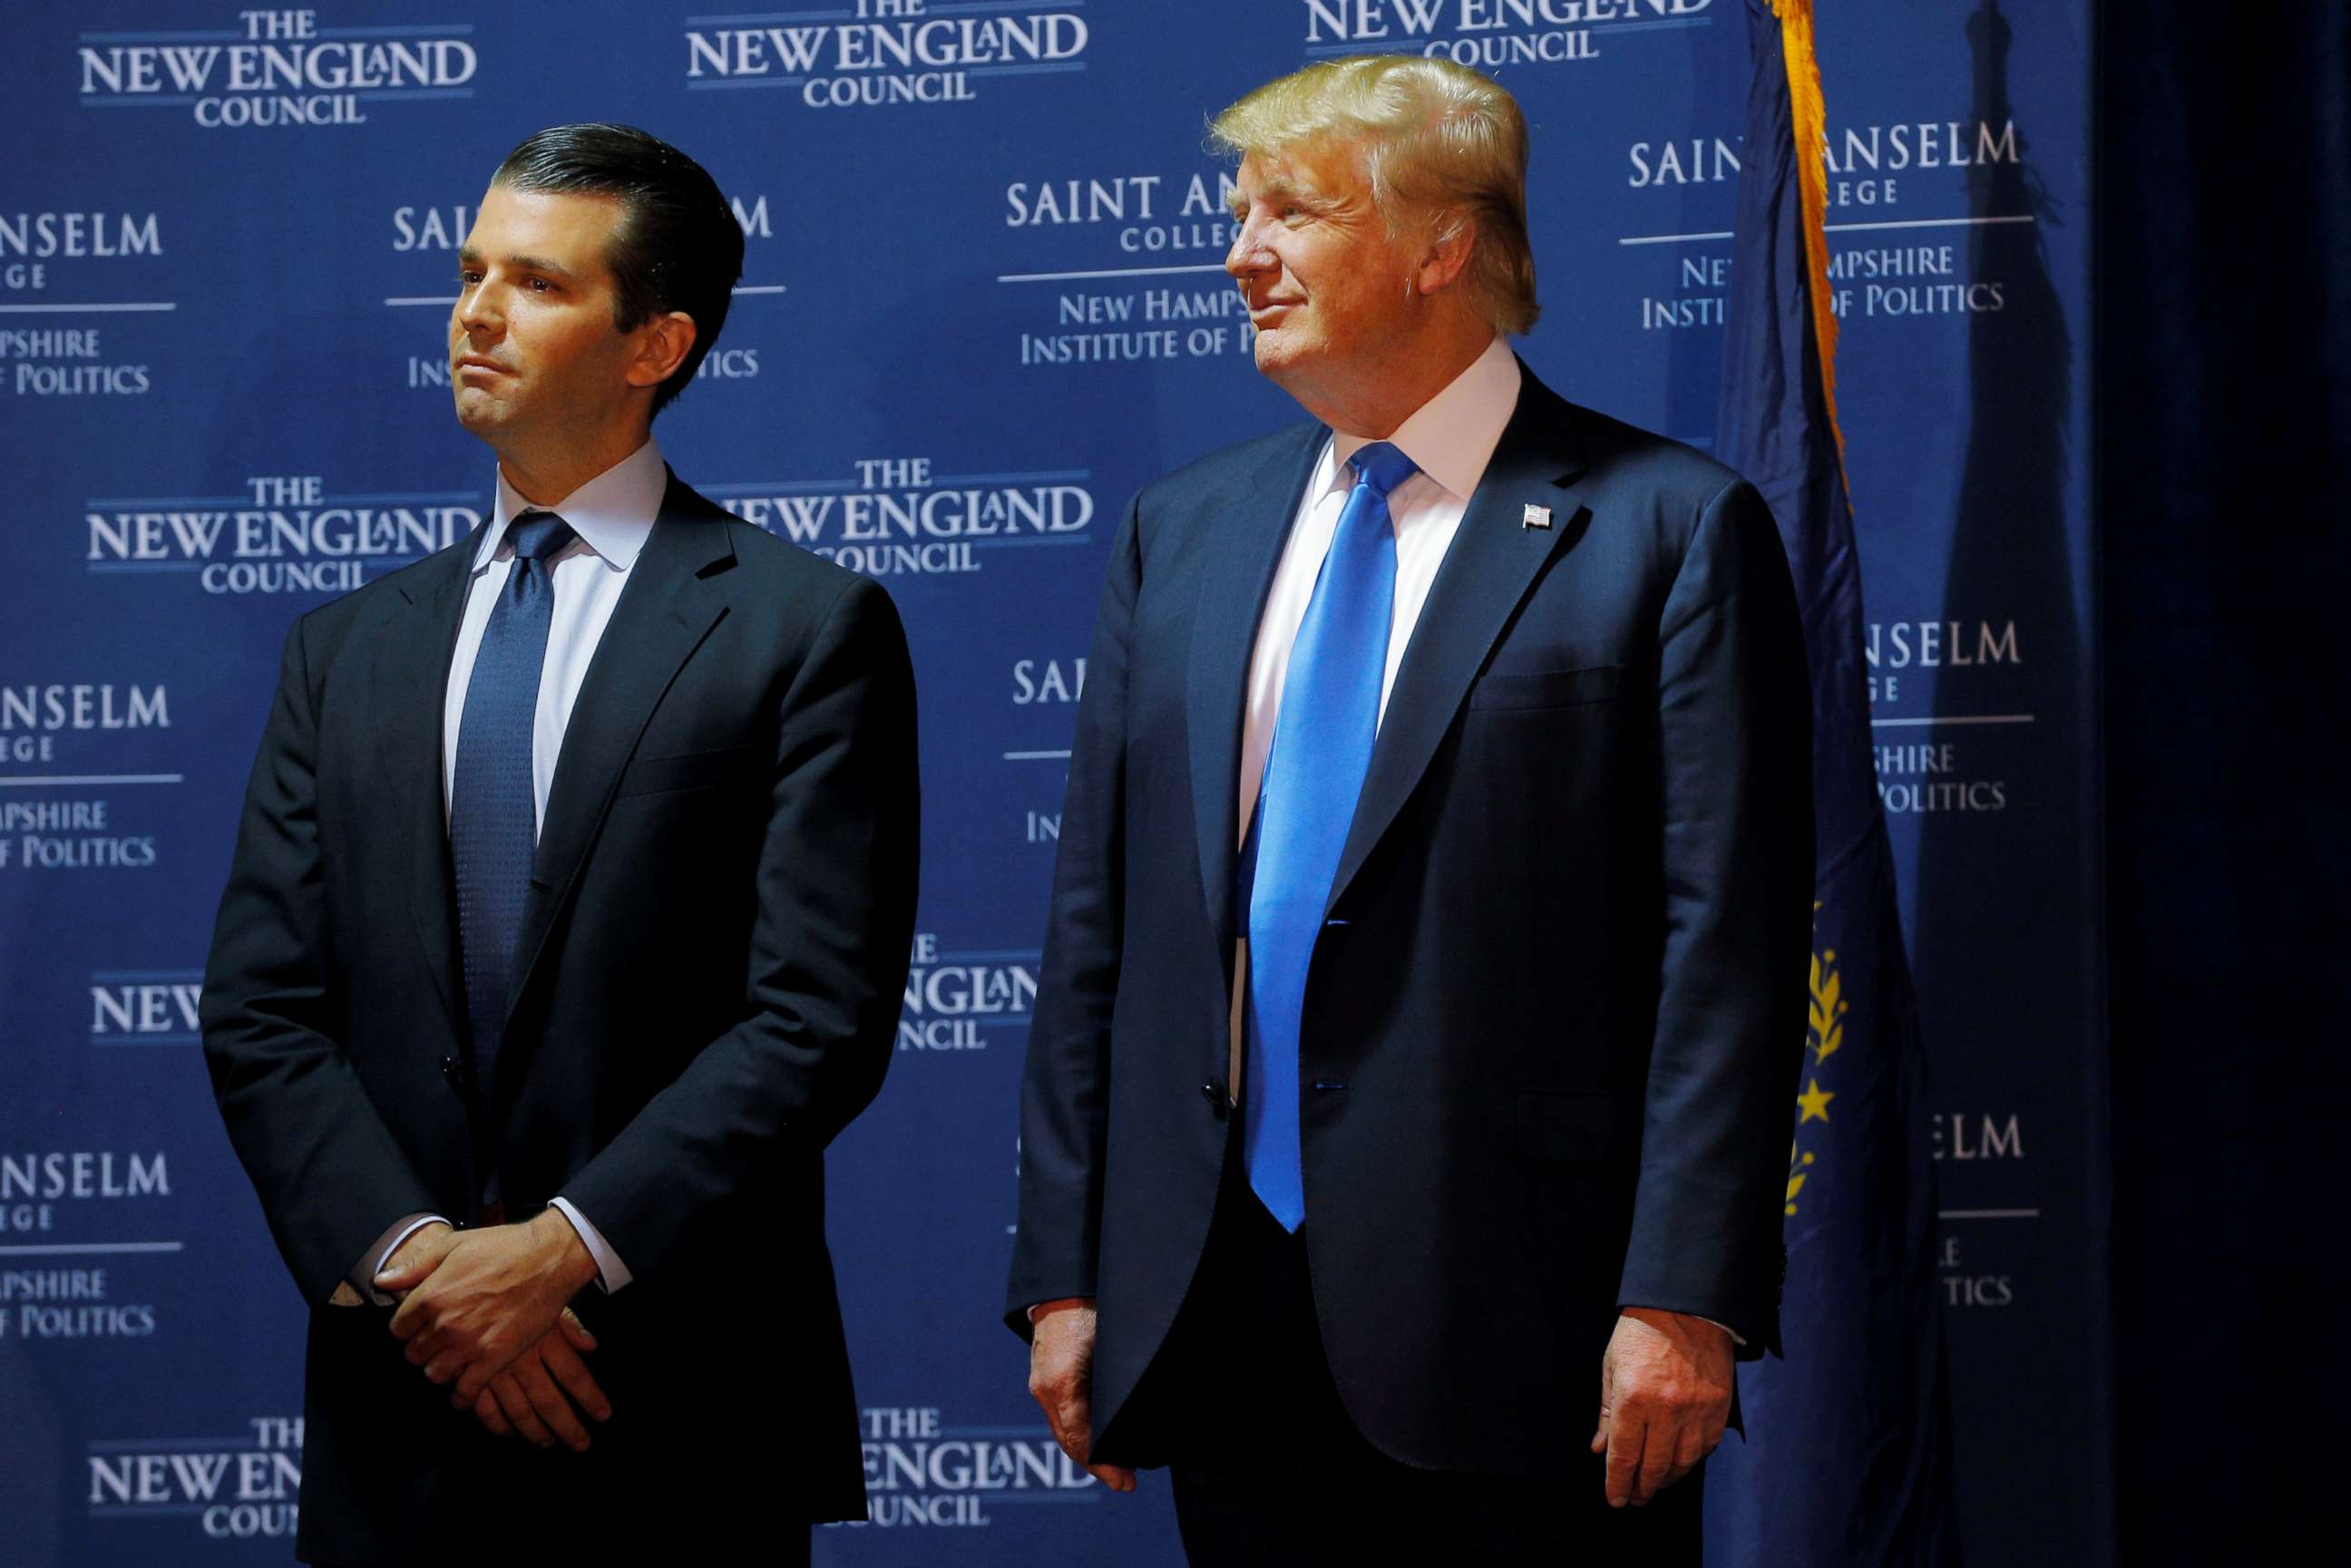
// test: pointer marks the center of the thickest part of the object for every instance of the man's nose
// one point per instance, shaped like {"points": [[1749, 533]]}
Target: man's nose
{"points": [[476, 313], [1248, 255]]}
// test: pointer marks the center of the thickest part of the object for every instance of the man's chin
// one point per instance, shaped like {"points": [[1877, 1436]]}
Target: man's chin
{"points": [[477, 414], [1278, 359]]}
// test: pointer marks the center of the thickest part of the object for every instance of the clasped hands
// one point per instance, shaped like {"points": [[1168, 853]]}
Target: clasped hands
{"points": [[1664, 1397], [486, 1312]]}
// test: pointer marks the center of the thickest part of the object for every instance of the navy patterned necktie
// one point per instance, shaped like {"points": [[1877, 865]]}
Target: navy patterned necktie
{"points": [[493, 812]]}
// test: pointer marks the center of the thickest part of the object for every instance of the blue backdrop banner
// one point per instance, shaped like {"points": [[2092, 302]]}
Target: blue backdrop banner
{"points": [[982, 303]]}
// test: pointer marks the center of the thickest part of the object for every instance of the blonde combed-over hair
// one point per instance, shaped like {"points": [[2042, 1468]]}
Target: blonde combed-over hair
{"points": [[1445, 147]]}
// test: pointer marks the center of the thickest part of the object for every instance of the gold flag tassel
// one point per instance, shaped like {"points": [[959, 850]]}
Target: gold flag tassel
{"points": [[1810, 115]]}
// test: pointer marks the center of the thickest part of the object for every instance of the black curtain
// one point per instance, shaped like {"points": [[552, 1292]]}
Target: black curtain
{"points": [[2224, 435]]}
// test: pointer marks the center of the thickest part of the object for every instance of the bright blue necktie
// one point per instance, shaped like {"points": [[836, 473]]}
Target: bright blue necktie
{"points": [[493, 813], [1322, 747]]}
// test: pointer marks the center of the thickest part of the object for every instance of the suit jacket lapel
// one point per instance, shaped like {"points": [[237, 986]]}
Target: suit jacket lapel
{"points": [[1493, 562], [1236, 577], [667, 609], [411, 681]]}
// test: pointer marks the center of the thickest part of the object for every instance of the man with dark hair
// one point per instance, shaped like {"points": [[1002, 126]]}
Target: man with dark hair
{"points": [[567, 925], [678, 247]]}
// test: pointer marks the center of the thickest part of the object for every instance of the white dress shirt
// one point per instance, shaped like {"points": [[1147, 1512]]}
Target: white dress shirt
{"points": [[1450, 438], [613, 515]]}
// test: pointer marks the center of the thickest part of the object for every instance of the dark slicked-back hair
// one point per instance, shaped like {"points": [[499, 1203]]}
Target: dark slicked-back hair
{"points": [[679, 249]]}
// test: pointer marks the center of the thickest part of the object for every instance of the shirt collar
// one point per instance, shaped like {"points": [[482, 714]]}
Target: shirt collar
{"points": [[613, 513], [1452, 437]]}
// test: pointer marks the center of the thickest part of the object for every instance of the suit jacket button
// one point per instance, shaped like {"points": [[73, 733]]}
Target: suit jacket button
{"points": [[453, 1071], [1213, 1091]]}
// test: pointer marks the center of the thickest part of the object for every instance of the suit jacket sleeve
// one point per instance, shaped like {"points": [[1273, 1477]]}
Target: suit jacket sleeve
{"points": [[836, 891], [325, 1165], [1735, 768], [1065, 1082]]}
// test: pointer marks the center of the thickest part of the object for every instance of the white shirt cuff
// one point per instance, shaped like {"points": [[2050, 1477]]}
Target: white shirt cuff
{"points": [[381, 1298], [610, 1273]]}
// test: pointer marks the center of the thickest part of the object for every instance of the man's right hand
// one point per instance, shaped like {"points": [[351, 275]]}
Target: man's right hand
{"points": [[425, 1249], [528, 1396], [1061, 1379]]}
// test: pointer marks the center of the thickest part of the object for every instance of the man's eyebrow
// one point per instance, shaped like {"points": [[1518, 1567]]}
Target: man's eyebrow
{"points": [[1275, 188], [469, 256]]}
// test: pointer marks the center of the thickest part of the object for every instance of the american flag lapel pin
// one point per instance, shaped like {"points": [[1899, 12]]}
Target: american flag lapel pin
{"points": [[1535, 518]]}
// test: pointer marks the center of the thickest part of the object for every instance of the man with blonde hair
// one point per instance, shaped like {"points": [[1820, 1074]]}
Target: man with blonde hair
{"points": [[1424, 989]]}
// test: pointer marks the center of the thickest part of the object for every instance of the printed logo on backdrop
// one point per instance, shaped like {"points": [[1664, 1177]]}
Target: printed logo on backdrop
{"points": [[283, 69], [67, 1274], [1942, 734], [1985, 1147], [146, 1007], [1493, 33], [226, 1487], [919, 1471], [439, 232], [1050, 689], [898, 517], [66, 329], [276, 533], [964, 1000], [1885, 181], [875, 53], [1142, 273], [61, 743]]}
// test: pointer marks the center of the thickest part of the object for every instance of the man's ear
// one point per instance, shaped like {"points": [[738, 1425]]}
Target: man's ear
{"points": [[1447, 256], [664, 341]]}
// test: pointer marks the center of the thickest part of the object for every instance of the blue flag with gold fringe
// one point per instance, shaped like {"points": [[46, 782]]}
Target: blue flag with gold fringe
{"points": [[1846, 1461]]}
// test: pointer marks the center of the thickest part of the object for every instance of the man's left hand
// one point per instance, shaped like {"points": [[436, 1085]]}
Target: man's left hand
{"points": [[1664, 1394], [538, 1395], [496, 1292]]}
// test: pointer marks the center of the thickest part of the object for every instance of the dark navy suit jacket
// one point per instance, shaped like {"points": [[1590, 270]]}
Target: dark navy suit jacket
{"points": [[1552, 1025], [708, 982]]}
